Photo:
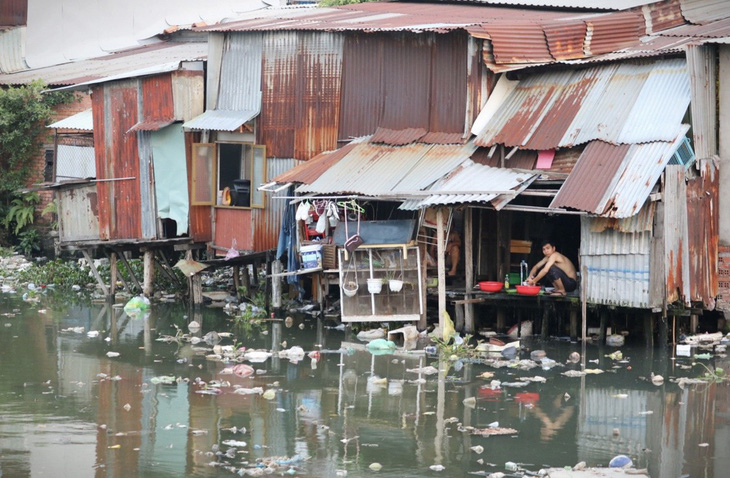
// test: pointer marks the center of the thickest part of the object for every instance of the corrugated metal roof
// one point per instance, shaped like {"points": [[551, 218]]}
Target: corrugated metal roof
{"points": [[375, 169], [397, 137], [608, 33], [624, 103], [82, 121], [582, 4], [476, 177], [615, 181], [140, 61], [704, 11], [12, 50], [13, 12], [662, 16], [702, 65], [308, 171], [716, 29], [221, 120]]}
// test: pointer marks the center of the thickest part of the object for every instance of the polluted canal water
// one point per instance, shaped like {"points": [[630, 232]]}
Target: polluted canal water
{"points": [[87, 390]]}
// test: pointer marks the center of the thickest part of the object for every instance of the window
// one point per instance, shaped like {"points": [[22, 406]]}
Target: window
{"points": [[48, 166], [239, 169]]}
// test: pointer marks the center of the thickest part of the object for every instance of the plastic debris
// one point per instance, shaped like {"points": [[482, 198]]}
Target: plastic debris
{"points": [[112, 354], [427, 370], [376, 466], [470, 402], [437, 467], [620, 461], [478, 449], [615, 340], [269, 394], [372, 334], [137, 304], [380, 345]]}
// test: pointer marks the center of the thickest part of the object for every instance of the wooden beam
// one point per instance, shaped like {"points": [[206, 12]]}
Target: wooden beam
{"points": [[468, 242], [149, 272], [441, 262], [99, 280], [131, 271], [113, 274]]}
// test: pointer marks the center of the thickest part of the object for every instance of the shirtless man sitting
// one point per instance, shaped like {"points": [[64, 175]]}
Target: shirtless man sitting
{"points": [[556, 268]]}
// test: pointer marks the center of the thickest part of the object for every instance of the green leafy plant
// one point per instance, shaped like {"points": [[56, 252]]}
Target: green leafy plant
{"points": [[29, 241], [51, 210], [21, 212], [716, 375], [460, 348]]}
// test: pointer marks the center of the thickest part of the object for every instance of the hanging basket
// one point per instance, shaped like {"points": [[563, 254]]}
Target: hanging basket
{"points": [[375, 286], [350, 288], [395, 285]]}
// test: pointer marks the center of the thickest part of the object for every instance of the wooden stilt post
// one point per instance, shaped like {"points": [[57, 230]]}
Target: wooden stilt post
{"points": [[113, 275], [693, 323], [423, 320], [276, 268], [602, 326], [195, 284], [573, 323], [468, 269], [544, 324], [246, 281], [237, 281], [99, 280], [663, 331], [131, 271], [649, 329], [149, 273], [441, 265], [501, 319]]}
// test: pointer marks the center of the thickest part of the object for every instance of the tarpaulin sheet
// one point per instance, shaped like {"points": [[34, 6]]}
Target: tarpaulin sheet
{"points": [[168, 156]]}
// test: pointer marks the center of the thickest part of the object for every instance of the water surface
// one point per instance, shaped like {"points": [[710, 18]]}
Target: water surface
{"points": [[67, 409]]}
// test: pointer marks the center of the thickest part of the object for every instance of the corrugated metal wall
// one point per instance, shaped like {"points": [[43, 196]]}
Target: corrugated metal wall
{"points": [[676, 238], [235, 224], [702, 66], [426, 83], [12, 50], [156, 98], [703, 229], [115, 112], [148, 217], [302, 74], [617, 265], [78, 213], [276, 126], [13, 13], [200, 225], [240, 73], [267, 221], [188, 90]]}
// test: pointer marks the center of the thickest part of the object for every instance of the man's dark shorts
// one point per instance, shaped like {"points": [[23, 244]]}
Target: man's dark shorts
{"points": [[556, 273]]}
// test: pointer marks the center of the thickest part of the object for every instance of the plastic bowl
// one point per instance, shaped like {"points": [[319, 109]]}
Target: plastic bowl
{"points": [[528, 289], [490, 286]]}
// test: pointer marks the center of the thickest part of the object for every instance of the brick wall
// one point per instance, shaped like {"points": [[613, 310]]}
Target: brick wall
{"points": [[39, 161], [723, 297]]}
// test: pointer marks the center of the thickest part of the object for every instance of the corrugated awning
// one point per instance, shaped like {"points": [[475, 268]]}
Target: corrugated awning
{"points": [[476, 183], [616, 103], [151, 125], [615, 181], [221, 120], [81, 121], [396, 172]]}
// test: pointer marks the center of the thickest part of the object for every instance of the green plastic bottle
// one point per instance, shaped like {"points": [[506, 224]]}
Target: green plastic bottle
{"points": [[506, 281]]}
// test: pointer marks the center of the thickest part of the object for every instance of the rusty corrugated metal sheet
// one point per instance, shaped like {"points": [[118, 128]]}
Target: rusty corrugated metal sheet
{"points": [[614, 31], [276, 128], [267, 221], [449, 83], [397, 137], [565, 160], [443, 138], [318, 93], [716, 29], [13, 13], [80, 121], [308, 171], [676, 235], [519, 43], [150, 125], [565, 40], [662, 16], [301, 93], [157, 101], [200, 222], [147, 57], [374, 169], [115, 111], [233, 223], [592, 176], [12, 50], [616, 103], [703, 234], [702, 66], [704, 11]]}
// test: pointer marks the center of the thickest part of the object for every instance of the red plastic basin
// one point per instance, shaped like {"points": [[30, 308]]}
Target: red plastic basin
{"points": [[528, 289], [490, 286]]}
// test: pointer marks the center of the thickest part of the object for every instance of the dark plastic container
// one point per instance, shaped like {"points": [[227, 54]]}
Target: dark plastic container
{"points": [[241, 192]]}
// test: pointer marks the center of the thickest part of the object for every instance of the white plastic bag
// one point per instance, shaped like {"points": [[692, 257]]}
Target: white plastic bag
{"points": [[321, 224]]}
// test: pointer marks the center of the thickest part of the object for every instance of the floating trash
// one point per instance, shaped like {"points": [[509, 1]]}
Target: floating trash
{"points": [[620, 461]]}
